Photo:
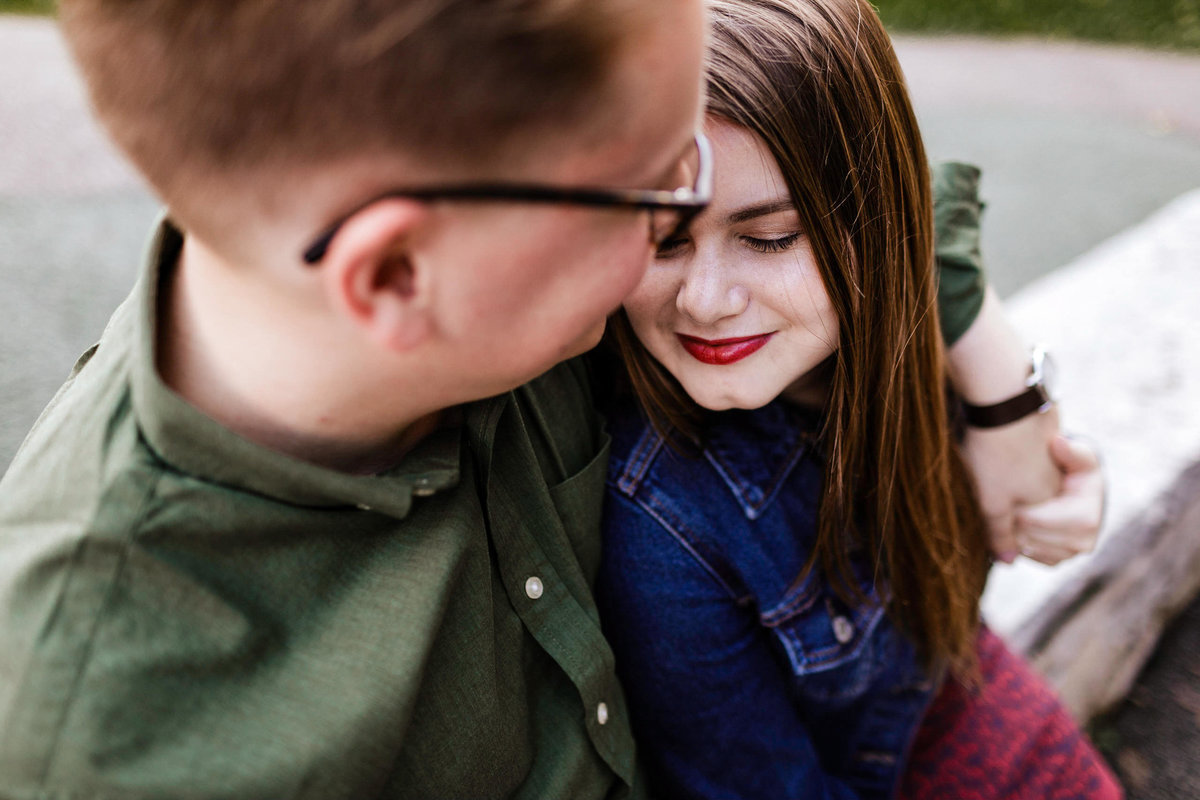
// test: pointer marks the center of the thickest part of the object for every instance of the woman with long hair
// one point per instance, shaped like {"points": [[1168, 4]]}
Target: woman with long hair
{"points": [[794, 551]]}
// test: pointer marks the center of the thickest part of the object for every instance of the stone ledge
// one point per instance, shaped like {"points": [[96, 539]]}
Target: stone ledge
{"points": [[1124, 323], [1092, 637]]}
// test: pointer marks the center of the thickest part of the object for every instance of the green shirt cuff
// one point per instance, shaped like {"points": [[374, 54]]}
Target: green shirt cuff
{"points": [[961, 279]]}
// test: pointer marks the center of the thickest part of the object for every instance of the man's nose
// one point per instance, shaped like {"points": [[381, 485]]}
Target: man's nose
{"points": [[710, 292]]}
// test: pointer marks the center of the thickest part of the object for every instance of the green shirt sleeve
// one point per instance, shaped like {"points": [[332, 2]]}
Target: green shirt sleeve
{"points": [[961, 280]]}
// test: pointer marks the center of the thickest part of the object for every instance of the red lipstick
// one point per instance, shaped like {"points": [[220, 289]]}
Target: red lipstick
{"points": [[723, 351]]}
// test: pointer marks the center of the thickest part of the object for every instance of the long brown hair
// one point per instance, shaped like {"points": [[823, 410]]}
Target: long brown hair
{"points": [[819, 83]]}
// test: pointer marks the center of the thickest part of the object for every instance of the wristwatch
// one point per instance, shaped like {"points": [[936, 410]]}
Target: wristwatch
{"points": [[1039, 395]]}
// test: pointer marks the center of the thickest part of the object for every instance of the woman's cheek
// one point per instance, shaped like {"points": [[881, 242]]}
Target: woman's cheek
{"points": [[650, 302]]}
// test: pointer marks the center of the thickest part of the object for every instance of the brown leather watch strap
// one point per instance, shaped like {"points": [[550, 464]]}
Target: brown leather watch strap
{"points": [[1010, 410]]}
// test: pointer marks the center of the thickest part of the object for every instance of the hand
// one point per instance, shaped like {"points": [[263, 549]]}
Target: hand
{"points": [[1012, 467], [1042, 494], [1069, 523]]}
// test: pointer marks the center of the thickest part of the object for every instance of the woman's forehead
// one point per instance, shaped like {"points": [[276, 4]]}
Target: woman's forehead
{"points": [[747, 180]]}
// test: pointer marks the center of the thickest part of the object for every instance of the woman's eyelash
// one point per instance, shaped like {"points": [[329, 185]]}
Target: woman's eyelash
{"points": [[771, 245], [670, 248]]}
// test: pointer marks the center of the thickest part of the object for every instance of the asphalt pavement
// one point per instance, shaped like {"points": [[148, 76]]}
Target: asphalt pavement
{"points": [[1077, 143]]}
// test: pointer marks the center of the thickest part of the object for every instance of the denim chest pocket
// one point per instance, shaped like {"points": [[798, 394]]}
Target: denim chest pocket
{"points": [[831, 647]]}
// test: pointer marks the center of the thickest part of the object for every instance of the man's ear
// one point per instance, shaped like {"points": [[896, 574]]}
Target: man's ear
{"points": [[375, 275]]}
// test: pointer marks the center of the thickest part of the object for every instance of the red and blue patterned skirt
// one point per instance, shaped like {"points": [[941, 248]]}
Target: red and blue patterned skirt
{"points": [[1009, 739]]}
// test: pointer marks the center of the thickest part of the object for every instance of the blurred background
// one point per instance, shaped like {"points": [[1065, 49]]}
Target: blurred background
{"points": [[1085, 118], [1149, 23], [1153, 23], [1144, 23]]}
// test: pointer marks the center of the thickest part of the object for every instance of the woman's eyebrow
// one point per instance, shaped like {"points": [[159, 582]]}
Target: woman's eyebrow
{"points": [[760, 210]]}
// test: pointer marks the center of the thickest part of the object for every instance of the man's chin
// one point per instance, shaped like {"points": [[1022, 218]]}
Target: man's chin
{"points": [[587, 340]]}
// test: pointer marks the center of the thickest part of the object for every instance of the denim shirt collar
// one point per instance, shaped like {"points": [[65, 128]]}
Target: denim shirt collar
{"points": [[754, 452]]}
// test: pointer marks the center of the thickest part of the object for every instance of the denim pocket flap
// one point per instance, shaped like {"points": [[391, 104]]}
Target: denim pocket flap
{"points": [[828, 642]]}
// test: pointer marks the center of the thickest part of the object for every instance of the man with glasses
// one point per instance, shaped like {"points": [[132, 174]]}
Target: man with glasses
{"points": [[670, 211], [318, 517]]}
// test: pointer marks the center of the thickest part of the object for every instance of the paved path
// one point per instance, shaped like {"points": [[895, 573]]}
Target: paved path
{"points": [[48, 145], [1077, 141]]}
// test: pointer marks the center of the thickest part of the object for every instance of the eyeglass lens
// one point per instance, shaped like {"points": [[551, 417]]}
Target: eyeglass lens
{"points": [[667, 224]]}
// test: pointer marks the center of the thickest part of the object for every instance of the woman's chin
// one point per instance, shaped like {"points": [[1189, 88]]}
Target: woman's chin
{"points": [[727, 402]]}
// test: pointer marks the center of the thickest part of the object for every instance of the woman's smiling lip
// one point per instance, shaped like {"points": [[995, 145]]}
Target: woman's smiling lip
{"points": [[723, 351]]}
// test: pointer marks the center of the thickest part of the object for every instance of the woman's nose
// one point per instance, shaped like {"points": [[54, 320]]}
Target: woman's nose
{"points": [[709, 293]]}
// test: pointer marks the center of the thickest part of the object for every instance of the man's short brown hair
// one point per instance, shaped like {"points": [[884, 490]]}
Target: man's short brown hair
{"points": [[195, 88]]}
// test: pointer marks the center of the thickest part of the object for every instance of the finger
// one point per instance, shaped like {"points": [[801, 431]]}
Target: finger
{"points": [[1077, 509], [1047, 555], [1073, 455], [1080, 541], [1002, 537]]}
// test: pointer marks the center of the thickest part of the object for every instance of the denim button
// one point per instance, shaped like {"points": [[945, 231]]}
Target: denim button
{"points": [[843, 629], [534, 588], [602, 713]]}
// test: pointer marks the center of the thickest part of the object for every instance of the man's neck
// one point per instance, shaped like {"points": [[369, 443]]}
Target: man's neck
{"points": [[247, 358]]}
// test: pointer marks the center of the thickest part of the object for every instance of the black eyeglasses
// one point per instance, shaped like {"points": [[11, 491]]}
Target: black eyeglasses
{"points": [[671, 211]]}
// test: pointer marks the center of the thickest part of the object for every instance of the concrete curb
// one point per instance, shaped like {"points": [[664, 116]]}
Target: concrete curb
{"points": [[1092, 637], [1124, 326], [1123, 322]]}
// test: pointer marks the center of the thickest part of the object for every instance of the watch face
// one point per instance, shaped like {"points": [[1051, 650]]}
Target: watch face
{"points": [[1046, 373]]}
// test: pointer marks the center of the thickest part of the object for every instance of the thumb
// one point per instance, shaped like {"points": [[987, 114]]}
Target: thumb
{"points": [[1073, 455]]}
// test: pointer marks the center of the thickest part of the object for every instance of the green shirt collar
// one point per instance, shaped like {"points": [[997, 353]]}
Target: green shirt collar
{"points": [[194, 443]]}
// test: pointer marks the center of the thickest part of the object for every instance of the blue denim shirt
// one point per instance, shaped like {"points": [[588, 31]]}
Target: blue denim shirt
{"points": [[741, 683]]}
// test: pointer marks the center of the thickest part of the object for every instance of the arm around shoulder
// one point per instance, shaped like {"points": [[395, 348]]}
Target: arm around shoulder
{"points": [[957, 211]]}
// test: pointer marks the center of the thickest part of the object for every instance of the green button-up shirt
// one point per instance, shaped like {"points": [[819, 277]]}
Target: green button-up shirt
{"points": [[185, 614]]}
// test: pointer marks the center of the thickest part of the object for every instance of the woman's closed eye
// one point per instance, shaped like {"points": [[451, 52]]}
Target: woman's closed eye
{"points": [[763, 244], [771, 245]]}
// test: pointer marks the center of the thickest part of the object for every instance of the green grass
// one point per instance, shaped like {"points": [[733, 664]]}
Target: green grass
{"points": [[26, 6], [1171, 24]]}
